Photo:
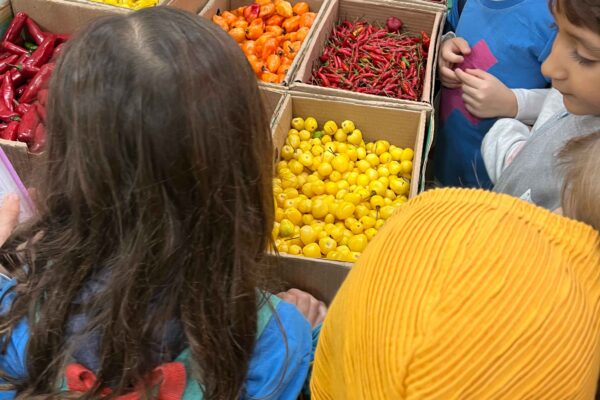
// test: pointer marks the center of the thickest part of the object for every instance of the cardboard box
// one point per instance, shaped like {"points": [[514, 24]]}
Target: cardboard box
{"points": [[272, 99], [6, 16], [417, 17], [376, 120], [321, 7], [69, 16]]}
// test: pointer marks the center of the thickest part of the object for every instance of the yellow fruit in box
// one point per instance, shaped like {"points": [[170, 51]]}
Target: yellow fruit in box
{"points": [[325, 169], [361, 152], [385, 158], [348, 126], [293, 140], [312, 250], [358, 242], [298, 123], [406, 167], [295, 250], [286, 228], [305, 136], [373, 159], [340, 135], [327, 245], [287, 152], [369, 233], [331, 196], [407, 155], [330, 127], [310, 124], [355, 137], [341, 163]]}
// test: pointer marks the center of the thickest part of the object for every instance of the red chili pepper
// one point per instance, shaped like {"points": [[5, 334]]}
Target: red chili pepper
{"points": [[62, 37], [6, 63], [42, 54], [10, 133], [426, 40], [35, 31], [22, 108], [37, 83], [13, 32], [13, 48], [17, 77], [39, 139], [8, 96], [29, 122]]}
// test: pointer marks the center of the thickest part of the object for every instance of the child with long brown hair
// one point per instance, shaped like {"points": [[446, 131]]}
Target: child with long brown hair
{"points": [[141, 275]]}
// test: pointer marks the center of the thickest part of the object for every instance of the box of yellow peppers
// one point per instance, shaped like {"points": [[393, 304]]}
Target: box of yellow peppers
{"points": [[130, 4]]}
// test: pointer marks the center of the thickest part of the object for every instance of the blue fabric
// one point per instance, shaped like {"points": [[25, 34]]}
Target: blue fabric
{"points": [[519, 35], [278, 368], [277, 373]]}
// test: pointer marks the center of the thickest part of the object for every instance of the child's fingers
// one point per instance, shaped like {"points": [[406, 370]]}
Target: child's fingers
{"points": [[448, 78], [9, 216], [479, 73], [467, 79], [470, 91], [462, 45]]}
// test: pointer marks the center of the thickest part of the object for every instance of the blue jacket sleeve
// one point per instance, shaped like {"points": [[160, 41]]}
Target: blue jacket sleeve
{"points": [[452, 21], [12, 363], [281, 359]]}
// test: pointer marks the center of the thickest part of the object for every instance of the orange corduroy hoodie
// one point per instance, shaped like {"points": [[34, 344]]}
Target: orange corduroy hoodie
{"points": [[466, 294]]}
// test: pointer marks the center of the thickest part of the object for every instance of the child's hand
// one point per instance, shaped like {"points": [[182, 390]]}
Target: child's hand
{"points": [[451, 53], [9, 216], [485, 96], [312, 309]]}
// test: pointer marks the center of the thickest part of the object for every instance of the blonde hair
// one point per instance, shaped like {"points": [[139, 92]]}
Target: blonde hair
{"points": [[581, 189]]}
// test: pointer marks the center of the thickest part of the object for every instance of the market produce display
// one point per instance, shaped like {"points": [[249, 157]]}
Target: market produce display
{"points": [[333, 191], [374, 60], [131, 4], [26, 64], [269, 33]]}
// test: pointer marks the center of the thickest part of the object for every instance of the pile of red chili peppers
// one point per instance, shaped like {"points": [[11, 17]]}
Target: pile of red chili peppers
{"points": [[366, 59], [26, 62]]}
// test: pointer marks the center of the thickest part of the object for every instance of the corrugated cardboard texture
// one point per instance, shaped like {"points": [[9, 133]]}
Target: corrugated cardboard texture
{"points": [[401, 127], [69, 16], [417, 17], [321, 7], [321, 278], [272, 100]]}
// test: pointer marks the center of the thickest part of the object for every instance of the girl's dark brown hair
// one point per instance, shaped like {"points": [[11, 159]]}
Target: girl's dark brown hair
{"points": [[582, 13], [158, 183]]}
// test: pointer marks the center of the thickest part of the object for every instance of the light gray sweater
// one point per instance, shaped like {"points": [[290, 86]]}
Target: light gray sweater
{"points": [[524, 162]]}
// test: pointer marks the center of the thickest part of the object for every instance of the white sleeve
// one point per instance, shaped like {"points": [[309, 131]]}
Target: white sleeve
{"points": [[500, 141], [529, 104]]}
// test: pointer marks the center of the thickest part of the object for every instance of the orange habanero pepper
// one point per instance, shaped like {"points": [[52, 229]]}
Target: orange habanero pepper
{"points": [[291, 24], [301, 8], [273, 63], [275, 20], [255, 29], [284, 9], [269, 77], [307, 19], [217, 19], [267, 10]]}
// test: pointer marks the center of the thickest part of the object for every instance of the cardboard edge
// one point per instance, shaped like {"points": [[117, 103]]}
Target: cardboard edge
{"points": [[418, 156], [300, 87]]}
